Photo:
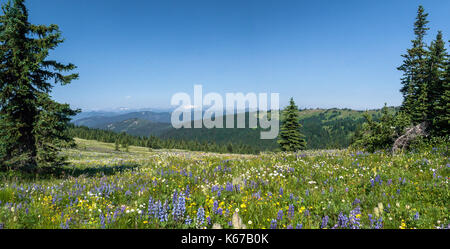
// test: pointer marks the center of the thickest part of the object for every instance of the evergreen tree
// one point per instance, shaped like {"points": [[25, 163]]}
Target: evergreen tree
{"points": [[379, 135], [414, 80], [290, 138], [439, 94], [32, 125], [230, 148], [125, 143], [116, 144]]}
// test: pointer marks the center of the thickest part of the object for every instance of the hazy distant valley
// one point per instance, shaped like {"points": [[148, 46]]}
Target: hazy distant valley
{"points": [[323, 128]]}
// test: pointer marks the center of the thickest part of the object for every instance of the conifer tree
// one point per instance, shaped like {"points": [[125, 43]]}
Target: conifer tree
{"points": [[32, 125], [230, 148], [290, 138], [437, 86], [116, 145], [414, 80]]}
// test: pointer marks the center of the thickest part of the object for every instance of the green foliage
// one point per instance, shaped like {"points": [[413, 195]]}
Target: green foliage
{"points": [[425, 92], [430, 144], [32, 126], [408, 190], [116, 145], [153, 142], [439, 113], [290, 138], [380, 135], [414, 66], [425, 84]]}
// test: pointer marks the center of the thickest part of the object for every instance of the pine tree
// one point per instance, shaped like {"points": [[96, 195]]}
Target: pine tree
{"points": [[125, 143], [290, 138], [32, 125], [441, 121], [415, 88], [437, 87], [116, 145], [230, 148]]}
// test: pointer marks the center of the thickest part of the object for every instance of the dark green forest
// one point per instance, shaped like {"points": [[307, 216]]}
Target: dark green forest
{"points": [[323, 129]]}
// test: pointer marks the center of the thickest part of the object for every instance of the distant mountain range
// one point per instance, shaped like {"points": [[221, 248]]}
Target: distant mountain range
{"points": [[323, 128], [105, 120]]}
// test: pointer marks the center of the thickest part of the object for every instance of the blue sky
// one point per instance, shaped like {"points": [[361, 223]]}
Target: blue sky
{"points": [[325, 54]]}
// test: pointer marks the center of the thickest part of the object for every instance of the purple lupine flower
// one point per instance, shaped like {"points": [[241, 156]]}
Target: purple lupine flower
{"points": [[307, 192], [378, 179], [306, 212], [180, 208], [281, 191], [291, 211], [187, 191], [229, 187], [188, 220], [273, 224], [280, 215], [342, 220], [289, 227], [379, 223], [163, 215], [299, 226], [102, 221], [416, 216], [324, 222], [175, 197], [200, 216], [355, 218], [375, 224], [149, 206], [154, 211], [215, 206]]}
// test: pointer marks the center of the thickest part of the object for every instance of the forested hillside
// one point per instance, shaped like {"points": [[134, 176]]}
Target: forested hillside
{"points": [[323, 128]]}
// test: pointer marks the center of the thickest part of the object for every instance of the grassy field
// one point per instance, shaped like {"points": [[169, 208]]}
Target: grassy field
{"points": [[102, 188]]}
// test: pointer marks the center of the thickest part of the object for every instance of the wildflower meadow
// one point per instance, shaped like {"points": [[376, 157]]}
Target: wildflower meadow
{"points": [[163, 189]]}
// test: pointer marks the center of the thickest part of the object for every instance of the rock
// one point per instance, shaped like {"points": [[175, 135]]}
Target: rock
{"points": [[216, 226], [411, 134], [237, 222]]}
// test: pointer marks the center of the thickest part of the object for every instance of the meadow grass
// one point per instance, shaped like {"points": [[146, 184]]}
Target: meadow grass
{"points": [[103, 188]]}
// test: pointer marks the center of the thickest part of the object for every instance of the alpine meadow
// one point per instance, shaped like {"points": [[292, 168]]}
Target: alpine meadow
{"points": [[75, 166]]}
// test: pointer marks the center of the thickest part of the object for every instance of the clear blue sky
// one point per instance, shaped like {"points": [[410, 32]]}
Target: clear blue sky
{"points": [[323, 53]]}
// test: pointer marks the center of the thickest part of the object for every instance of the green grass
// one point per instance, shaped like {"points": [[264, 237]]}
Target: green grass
{"points": [[103, 188]]}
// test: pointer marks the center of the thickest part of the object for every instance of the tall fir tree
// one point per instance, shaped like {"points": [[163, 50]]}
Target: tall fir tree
{"points": [[414, 80], [32, 125], [290, 138], [437, 64], [441, 122]]}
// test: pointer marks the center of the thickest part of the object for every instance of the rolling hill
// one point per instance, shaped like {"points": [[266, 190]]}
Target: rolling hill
{"points": [[323, 128]]}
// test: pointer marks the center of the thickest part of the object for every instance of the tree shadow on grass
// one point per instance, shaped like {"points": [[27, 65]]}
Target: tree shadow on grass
{"points": [[65, 172], [95, 170]]}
